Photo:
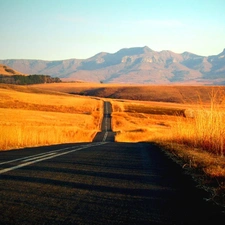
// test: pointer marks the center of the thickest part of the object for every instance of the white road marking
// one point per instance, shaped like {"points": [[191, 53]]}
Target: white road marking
{"points": [[48, 155], [105, 136], [28, 160], [106, 128], [27, 157], [39, 157]]}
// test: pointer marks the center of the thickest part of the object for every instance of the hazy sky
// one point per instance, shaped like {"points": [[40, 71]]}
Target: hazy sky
{"points": [[64, 29]]}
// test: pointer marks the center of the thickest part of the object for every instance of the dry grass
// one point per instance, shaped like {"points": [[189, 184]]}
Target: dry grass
{"points": [[6, 70], [30, 119], [206, 129], [198, 143], [159, 93], [136, 121]]}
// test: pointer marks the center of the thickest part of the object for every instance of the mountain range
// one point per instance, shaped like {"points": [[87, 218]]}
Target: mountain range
{"points": [[138, 65]]}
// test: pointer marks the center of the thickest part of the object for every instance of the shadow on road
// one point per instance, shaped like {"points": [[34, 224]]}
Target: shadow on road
{"points": [[114, 183]]}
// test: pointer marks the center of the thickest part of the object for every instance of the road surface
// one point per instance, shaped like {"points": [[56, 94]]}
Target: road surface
{"points": [[102, 182], [106, 134]]}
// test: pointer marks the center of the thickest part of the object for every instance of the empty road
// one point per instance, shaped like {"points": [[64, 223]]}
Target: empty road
{"points": [[106, 134], [102, 182]]}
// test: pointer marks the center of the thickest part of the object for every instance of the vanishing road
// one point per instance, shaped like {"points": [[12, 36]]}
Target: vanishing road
{"points": [[102, 182]]}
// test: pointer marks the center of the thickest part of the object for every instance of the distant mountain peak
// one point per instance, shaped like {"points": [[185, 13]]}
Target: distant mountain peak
{"points": [[219, 56], [100, 54], [134, 51], [189, 55], [132, 65], [222, 53], [146, 49]]}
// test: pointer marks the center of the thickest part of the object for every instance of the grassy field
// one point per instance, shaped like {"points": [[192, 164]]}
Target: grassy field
{"points": [[146, 121], [167, 93], [186, 121], [197, 142], [34, 118]]}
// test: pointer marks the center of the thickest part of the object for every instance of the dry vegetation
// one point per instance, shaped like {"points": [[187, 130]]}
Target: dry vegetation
{"points": [[198, 125], [196, 142], [156, 93], [6, 70], [31, 119], [136, 122]]}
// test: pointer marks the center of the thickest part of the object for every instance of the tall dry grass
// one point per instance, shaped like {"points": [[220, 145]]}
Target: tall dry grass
{"points": [[203, 128], [206, 129], [29, 119], [21, 136]]}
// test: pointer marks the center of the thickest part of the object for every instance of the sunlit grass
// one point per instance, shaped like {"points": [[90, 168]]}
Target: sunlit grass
{"points": [[206, 130], [30, 116], [136, 122], [135, 127], [203, 127], [29, 119], [195, 142]]}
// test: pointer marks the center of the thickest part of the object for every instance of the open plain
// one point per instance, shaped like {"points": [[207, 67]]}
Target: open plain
{"points": [[171, 117]]}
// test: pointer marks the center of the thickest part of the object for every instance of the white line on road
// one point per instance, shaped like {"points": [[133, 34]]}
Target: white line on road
{"points": [[27, 157], [106, 123], [48, 156], [105, 136], [39, 157]]}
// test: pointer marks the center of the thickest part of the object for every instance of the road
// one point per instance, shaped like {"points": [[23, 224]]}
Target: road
{"points": [[102, 182], [106, 134]]}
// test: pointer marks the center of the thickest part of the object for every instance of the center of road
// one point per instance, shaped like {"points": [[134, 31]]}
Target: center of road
{"points": [[25, 161], [106, 134]]}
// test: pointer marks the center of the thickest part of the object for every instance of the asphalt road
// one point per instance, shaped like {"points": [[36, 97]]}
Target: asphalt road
{"points": [[106, 134], [102, 182]]}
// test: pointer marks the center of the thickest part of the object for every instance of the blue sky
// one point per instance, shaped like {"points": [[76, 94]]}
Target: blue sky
{"points": [[64, 29]]}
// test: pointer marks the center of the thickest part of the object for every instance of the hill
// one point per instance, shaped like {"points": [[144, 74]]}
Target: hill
{"points": [[11, 76], [179, 94], [139, 65], [7, 71]]}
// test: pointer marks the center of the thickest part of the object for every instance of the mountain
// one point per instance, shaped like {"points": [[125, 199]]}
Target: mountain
{"points": [[132, 65]]}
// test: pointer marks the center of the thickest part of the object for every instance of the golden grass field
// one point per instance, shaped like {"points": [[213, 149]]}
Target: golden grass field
{"points": [[187, 121], [33, 119]]}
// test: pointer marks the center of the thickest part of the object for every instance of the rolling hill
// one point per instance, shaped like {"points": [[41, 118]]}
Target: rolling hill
{"points": [[138, 65], [7, 71], [11, 76]]}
